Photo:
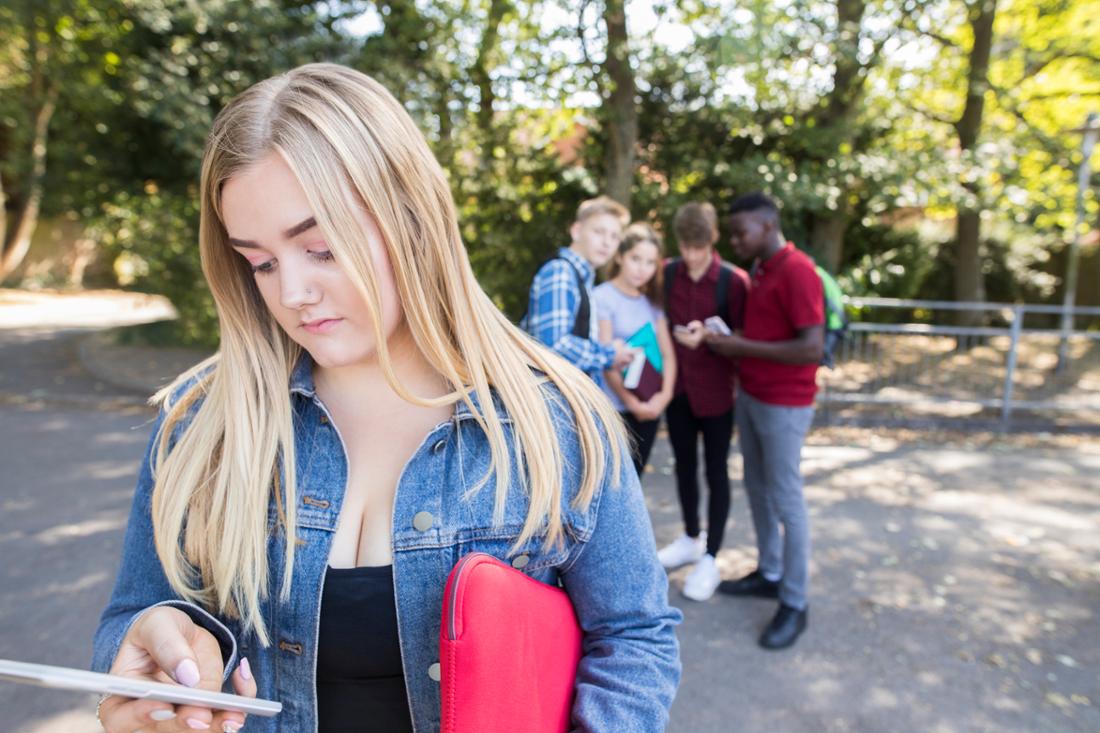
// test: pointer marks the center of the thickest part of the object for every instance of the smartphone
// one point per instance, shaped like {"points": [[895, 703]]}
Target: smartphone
{"points": [[715, 324], [64, 678]]}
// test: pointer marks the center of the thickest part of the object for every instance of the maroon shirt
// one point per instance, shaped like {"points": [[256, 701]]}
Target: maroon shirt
{"points": [[786, 297], [706, 377]]}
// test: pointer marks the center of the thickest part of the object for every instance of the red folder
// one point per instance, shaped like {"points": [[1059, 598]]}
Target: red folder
{"points": [[650, 383], [509, 649]]}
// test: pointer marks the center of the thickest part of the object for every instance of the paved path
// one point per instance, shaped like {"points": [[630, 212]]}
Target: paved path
{"points": [[956, 578]]}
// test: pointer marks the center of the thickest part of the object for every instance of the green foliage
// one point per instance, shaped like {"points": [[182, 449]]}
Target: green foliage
{"points": [[151, 238], [887, 262], [140, 85], [515, 212], [508, 93]]}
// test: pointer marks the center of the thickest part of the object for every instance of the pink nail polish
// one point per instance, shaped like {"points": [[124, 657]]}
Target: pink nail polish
{"points": [[246, 668], [187, 673], [196, 724]]}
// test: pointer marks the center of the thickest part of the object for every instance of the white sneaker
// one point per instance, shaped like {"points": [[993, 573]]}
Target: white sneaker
{"points": [[703, 579], [683, 550]]}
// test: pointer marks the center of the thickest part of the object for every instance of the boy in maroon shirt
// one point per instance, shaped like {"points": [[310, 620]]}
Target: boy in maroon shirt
{"points": [[779, 349], [699, 285]]}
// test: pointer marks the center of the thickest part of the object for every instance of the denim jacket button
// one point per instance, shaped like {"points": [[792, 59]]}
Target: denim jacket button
{"points": [[520, 562], [324, 419], [423, 521], [434, 672], [439, 445]]}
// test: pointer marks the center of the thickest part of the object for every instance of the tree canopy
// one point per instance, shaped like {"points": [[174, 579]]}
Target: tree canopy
{"points": [[917, 146]]}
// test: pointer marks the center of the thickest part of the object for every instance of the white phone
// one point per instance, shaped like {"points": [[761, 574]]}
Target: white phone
{"points": [[80, 680], [715, 324]]}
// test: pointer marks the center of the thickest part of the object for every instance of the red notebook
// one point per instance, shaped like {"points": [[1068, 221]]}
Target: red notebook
{"points": [[509, 649], [650, 382]]}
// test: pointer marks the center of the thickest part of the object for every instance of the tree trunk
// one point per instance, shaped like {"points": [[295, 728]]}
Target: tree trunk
{"points": [[486, 59], [827, 238], [620, 110], [848, 74], [480, 75], [837, 116], [968, 272], [3, 215], [15, 249]]}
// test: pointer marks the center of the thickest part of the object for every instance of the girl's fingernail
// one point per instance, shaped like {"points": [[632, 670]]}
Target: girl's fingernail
{"points": [[246, 668], [187, 673], [196, 724], [162, 714]]}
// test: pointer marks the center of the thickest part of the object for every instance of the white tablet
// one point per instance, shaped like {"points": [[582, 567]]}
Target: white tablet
{"points": [[65, 678]]}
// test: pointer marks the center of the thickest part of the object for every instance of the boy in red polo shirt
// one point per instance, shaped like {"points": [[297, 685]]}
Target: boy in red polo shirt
{"points": [[779, 349], [699, 285]]}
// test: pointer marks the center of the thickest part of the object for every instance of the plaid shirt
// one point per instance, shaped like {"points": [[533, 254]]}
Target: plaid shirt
{"points": [[552, 307]]}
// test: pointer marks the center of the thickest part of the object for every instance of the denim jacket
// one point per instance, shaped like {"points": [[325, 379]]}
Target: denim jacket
{"points": [[630, 667]]}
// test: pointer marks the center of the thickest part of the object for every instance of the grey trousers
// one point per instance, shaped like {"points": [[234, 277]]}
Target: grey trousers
{"points": [[771, 439]]}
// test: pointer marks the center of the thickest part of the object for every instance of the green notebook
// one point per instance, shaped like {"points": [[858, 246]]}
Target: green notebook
{"points": [[646, 338]]}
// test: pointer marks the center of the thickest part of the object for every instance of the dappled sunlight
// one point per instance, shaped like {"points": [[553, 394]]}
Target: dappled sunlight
{"points": [[54, 591], [16, 505], [992, 507], [137, 435], [964, 572], [85, 528], [124, 471]]}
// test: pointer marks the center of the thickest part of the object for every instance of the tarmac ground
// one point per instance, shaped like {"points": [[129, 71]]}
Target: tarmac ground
{"points": [[955, 576]]}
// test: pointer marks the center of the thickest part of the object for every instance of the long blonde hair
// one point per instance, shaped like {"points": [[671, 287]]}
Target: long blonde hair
{"points": [[350, 144]]}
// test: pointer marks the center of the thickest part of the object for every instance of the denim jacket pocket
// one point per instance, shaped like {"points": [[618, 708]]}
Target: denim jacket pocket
{"points": [[532, 557]]}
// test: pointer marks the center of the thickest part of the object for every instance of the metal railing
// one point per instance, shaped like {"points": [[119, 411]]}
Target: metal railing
{"points": [[946, 370]]}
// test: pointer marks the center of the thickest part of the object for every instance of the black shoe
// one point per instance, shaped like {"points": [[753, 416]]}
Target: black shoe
{"points": [[753, 584], [785, 628]]}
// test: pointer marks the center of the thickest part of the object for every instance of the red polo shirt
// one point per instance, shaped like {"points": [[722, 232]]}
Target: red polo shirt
{"points": [[786, 296], [706, 377]]}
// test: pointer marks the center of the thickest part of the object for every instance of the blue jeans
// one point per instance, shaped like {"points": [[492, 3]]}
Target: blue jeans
{"points": [[771, 439]]}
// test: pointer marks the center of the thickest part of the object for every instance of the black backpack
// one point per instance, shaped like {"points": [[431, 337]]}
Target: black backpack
{"points": [[583, 322]]}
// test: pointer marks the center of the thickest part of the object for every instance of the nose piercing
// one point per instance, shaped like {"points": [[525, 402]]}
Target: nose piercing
{"points": [[309, 292]]}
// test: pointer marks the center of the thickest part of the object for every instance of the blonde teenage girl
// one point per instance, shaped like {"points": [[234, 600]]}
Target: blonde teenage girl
{"points": [[369, 419]]}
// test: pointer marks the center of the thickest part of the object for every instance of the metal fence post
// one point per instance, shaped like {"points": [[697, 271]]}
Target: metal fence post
{"points": [[1091, 131], [1010, 365]]}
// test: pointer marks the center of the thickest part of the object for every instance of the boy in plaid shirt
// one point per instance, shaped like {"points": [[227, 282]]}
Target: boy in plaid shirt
{"points": [[560, 312]]}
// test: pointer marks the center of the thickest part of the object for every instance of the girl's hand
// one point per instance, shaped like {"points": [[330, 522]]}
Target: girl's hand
{"points": [[165, 645], [647, 410], [692, 335], [659, 402], [623, 355]]}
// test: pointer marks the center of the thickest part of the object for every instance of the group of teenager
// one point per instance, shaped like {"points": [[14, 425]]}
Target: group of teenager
{"points": [[733, 347]]}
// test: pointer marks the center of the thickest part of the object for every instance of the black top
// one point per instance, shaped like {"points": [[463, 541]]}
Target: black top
{"points": [[360, 684]]}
